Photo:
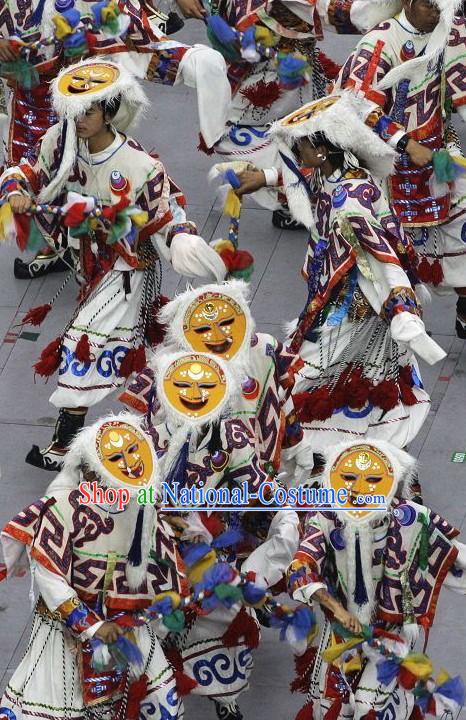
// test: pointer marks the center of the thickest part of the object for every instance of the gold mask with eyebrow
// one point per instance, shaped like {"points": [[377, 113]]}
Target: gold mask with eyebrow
{"points": [[216, 324]]}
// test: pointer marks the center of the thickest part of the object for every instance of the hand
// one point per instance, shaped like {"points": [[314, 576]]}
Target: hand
{"points": [[419, 155], [192, 9], [109, 632], [7, 54], [251, 180], [350, 622], [20, 204]]}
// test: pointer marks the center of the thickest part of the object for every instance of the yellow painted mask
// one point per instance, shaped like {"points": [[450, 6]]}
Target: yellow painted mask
{"points": [[88, 79], [306, 112], [195, 386], [125, 453], [215, 323], [363, 471]]}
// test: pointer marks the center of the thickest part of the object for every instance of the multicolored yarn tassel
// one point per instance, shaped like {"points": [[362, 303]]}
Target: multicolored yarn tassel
{"points": [[75, 33], [81, 214], [447, 168], [240, 263]]}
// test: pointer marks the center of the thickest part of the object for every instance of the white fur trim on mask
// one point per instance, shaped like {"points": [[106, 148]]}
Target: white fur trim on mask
{"points": [[161, 363], [83, 451], [404, 467], [172, 315]]}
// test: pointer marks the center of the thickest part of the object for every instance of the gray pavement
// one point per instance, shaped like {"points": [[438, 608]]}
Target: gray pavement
{"points": [[278, 295]]}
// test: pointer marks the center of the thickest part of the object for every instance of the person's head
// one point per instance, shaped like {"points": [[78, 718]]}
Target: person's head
{"points": [[424, 15], [97, 118], [314, 151]]}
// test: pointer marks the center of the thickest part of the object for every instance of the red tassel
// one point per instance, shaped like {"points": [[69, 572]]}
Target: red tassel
{"points": [[357, 389], [91, 41], [23, 229], [423, 271], [243, 626], [417, 713], [406, 679], [184, 683], [202, 147], [406, 384], [306, 712], [213, 523], [385, 395], [75, 215], [371, 715], [262, 94], [237, 260], [134, 361], [83, 349], [50, 359], [314, 405], [36, 315], [334, 710], [137, 691], [330, 68], [436, 272], [303, 663]]}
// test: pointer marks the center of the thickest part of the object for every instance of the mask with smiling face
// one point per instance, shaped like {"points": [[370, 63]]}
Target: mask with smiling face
{"points": [[363, 471], [216, 324], [88, 79], [125, 453], [195, 387]]}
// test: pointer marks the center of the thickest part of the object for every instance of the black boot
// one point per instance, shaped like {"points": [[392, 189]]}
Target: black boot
{"points": [[282, 219], [44, 264], [51, 458], [460, 317], [228, 712]]}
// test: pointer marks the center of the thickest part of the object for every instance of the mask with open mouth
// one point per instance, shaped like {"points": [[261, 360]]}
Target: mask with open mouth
{"points": [[215, 323], [88, 79], [195, 387], [363, 471], [125, 453]]}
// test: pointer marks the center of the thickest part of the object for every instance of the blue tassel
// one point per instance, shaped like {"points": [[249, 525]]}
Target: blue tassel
{"points": [[360, 592], [193, 552], [387, 671], [135, 551], [232, 178], [252, 593], [228, 538], [177, 472], [219, 573], [222, 31], [131, 651], [453, 689], [162, 607], [97, 11]]}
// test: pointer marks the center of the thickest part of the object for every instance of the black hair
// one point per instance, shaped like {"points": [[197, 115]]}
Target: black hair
{"points": [[110, 107], [335, 154]]}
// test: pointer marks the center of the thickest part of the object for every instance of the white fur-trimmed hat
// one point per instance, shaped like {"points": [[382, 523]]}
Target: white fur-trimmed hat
{"points": [[339, 118], [403, 466], [173, 313], [75, 90]]}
